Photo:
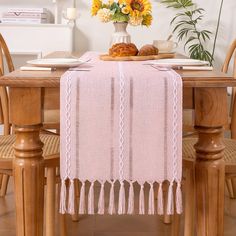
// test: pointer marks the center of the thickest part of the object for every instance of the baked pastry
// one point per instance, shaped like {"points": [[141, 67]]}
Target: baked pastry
{"points": [[148, 50], [123, 50]]}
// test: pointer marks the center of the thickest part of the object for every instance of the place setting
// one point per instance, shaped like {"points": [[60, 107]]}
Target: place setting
{"points": [[180, 64], [52, 64]]}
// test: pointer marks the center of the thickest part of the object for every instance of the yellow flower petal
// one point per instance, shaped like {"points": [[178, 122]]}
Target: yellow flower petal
{"points": [[96, 5], [147, 20], [143, 7], [125, 10]]}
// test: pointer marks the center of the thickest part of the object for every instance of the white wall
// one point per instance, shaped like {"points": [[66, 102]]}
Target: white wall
{"points": [[90, 34]]}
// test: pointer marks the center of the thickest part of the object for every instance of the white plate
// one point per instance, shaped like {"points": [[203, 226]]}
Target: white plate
{"points": [[179, 62], [56, 62]]}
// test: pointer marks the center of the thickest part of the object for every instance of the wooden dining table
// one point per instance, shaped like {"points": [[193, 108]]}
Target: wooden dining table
{"points": [[31, 93]]}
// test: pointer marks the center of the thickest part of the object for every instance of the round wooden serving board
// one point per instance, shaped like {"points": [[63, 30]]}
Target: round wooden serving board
{"points": [[137, 58]]}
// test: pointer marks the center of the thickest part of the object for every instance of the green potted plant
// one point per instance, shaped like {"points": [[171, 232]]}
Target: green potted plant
{"points": [[186, 25]]}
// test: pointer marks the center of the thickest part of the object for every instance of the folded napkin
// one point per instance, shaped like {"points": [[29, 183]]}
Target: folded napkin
{"points": [[121, 123], [31, 68]]}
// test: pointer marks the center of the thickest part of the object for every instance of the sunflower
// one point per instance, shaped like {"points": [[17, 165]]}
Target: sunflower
{"points": [[125, 10], [96, 5], [147, 20], [139, 7]]}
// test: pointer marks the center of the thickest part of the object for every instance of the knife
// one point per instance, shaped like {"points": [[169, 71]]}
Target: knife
{"points": [[206, 68], [169, 67]]}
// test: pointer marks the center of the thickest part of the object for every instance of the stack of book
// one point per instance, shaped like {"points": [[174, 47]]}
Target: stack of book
{"points": [[26, 15]]}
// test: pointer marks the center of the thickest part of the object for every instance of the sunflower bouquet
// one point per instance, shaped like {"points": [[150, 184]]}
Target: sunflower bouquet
{"points": [[134, 12]]}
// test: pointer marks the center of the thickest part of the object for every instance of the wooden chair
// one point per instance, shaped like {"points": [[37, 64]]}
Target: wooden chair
{"points": [[50, 149], [51, 116], [229, 154]]}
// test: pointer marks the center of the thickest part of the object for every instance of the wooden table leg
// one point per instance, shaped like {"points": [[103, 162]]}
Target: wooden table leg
{"points": [[28, 166], [211, 115]]}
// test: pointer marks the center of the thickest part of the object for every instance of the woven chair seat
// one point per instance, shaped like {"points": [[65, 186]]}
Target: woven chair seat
{"points": [[229, 152], [51, 145]]}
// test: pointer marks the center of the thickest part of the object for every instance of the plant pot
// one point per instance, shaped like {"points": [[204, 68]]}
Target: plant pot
{"points": [[120, 35]]}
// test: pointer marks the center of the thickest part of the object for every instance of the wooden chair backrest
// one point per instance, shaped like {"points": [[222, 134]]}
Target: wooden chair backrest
{"points": [[5, 51], [231, 54], [4, 108], [51, 122]]}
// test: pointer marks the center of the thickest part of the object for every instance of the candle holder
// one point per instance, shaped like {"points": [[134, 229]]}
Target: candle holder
{"points": [[55, 11], [71, 14]]}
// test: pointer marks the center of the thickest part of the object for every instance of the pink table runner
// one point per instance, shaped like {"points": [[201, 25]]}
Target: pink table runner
{"points": [[121, 122]]}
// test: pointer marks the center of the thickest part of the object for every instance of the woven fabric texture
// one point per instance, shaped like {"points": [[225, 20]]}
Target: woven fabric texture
{"points": [[121, 122]]}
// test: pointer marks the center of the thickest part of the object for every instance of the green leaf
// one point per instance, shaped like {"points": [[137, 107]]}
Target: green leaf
{"points": [[188, 13], [198, 18], [183, 33], [193, 47], [177, 26], [177, 16], [207, 31], [209, 57], [186, 22], [198, 10], [120, 17], [176, 6], [178, 3], [205, 35], [168, 1], [191, 38], [188, 3]]}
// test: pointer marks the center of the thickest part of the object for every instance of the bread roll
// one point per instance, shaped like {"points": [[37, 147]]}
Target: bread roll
{"points": [[123, 50], [148, 50]]}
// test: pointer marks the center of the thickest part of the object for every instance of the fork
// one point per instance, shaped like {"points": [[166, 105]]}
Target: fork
{"points": [[160, 68], [78, 69], [86, 61]]}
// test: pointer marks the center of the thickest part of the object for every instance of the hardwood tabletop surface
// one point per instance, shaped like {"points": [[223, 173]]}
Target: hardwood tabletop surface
{"points": [[20, 78]]}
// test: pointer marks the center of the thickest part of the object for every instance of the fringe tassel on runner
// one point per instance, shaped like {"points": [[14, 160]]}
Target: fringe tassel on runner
{"points": [[63, 208], [170, 207], [71, 201], [131, 199], [151, 201], [179, 205], [91, 199], [121, 200], [141, 201], [160, 207], [101, 201], [121, 205], [82, 199], [111, 208]]}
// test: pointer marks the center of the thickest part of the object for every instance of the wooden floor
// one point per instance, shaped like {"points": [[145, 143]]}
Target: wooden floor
{"points": [[109, 225]]}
